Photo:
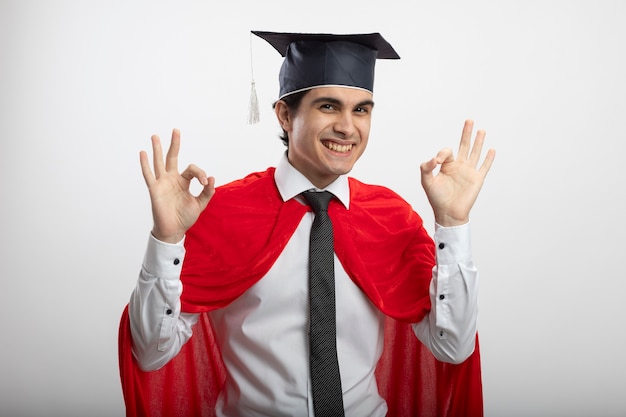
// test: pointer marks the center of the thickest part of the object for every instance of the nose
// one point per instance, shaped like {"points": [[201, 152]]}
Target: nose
{"points": [[344, 124]]}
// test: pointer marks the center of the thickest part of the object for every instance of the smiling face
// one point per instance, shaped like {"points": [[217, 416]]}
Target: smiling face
{"points": [[328, 133]]}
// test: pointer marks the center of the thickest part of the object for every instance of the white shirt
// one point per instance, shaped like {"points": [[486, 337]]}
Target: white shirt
{"points": [[263, 335]]}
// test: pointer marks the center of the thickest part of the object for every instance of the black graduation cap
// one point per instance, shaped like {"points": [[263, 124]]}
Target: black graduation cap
{"points": [[323, 59]]}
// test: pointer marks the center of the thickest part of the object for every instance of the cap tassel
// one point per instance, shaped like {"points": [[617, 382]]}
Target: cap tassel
{"points": [[253, 110]]}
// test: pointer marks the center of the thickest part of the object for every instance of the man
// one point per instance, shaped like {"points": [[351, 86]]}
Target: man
{"points": [[232, 267]]}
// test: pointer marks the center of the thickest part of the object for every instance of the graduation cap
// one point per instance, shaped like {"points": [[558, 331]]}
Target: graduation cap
{"points": [[323, 59]]}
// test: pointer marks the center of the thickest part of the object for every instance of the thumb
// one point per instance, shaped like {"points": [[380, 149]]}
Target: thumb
{"points": [[207, 192], [427, 169]]}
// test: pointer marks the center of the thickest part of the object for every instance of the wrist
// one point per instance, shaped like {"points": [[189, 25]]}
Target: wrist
{"points": [[448, 221], [175, 238]]}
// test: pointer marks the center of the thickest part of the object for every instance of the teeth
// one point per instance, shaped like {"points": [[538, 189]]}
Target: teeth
{"points": [[338, 148]]}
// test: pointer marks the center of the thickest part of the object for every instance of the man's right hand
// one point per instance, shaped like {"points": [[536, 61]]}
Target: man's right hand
{"points": [[174, 208]]}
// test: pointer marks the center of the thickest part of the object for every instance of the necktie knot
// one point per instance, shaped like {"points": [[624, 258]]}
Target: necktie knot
{"points": [[318, 200]]}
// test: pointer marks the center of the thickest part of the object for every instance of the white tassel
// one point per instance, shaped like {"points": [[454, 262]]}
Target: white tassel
{"points": [[253, 110]]}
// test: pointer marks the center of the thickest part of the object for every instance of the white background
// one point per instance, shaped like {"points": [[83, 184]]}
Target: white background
{"points": [[84, 84]]}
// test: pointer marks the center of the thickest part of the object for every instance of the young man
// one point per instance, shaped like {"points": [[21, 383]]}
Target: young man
{"points": [[232, 267]]}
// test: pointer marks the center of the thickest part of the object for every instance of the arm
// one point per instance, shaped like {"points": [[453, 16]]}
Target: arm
{"points": [[158, 328], [449, 330]]}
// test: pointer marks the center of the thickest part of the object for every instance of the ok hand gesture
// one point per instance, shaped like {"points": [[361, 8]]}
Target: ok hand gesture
{"points": [[174, 208], [453, 191]]}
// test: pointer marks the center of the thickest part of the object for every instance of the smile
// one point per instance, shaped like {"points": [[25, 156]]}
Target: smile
{"points": [[337, 148]]}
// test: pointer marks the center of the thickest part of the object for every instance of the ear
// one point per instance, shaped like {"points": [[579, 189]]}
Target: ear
{"points": [[283, 115]]}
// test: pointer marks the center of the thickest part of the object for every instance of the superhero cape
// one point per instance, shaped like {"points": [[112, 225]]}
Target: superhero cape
{"points": [[383, 247]]}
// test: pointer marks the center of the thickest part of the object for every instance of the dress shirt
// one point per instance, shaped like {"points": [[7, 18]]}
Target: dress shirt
{"points": [[263, 335]]}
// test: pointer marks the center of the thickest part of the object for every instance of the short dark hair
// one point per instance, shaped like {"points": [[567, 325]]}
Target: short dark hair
{"points": [[293, 103]]}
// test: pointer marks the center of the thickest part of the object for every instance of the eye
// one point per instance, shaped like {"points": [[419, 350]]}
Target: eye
{"points": [[327, 106], [363, 110]]}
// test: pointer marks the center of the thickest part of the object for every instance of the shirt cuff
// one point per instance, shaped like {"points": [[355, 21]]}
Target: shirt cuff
{"points": [[453, 244], [164, 260]]}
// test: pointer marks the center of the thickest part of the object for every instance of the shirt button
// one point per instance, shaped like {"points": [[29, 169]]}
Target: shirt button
{"points": [[168, 311], [441, 297], [176, 261], [442, 245]]}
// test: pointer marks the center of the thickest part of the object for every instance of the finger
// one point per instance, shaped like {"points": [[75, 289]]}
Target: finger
{"points": [[193, 171], [477, 148], [466, 140], [148, 176], [157, 156], [428, 166], [445, 155], [426, 170], [207, 192], [171, 161], [489, 158]]}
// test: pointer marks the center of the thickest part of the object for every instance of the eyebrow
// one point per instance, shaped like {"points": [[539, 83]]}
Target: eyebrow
{"points": [[333, 100]]}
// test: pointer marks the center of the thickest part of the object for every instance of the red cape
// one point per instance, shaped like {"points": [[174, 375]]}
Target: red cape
{"points": [[383, 247]]}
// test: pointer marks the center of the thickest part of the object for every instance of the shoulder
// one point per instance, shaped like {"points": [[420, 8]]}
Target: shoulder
{"points": [[381, 205], [251, 180], [257, 185], [254, 192], [370, 196], [252, 197], [379, 219]]}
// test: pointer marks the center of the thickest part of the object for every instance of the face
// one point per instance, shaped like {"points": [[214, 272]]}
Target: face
{"points": [[328, 133]]}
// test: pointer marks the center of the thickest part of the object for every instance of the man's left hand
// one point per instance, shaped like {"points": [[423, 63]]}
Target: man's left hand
{"points": [[454, 189]]}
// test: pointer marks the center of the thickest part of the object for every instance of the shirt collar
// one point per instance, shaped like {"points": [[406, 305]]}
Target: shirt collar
{"points": [[291, 183]]}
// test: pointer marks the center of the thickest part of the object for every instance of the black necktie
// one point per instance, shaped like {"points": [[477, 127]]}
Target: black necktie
{"points": [[325, 379]]}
